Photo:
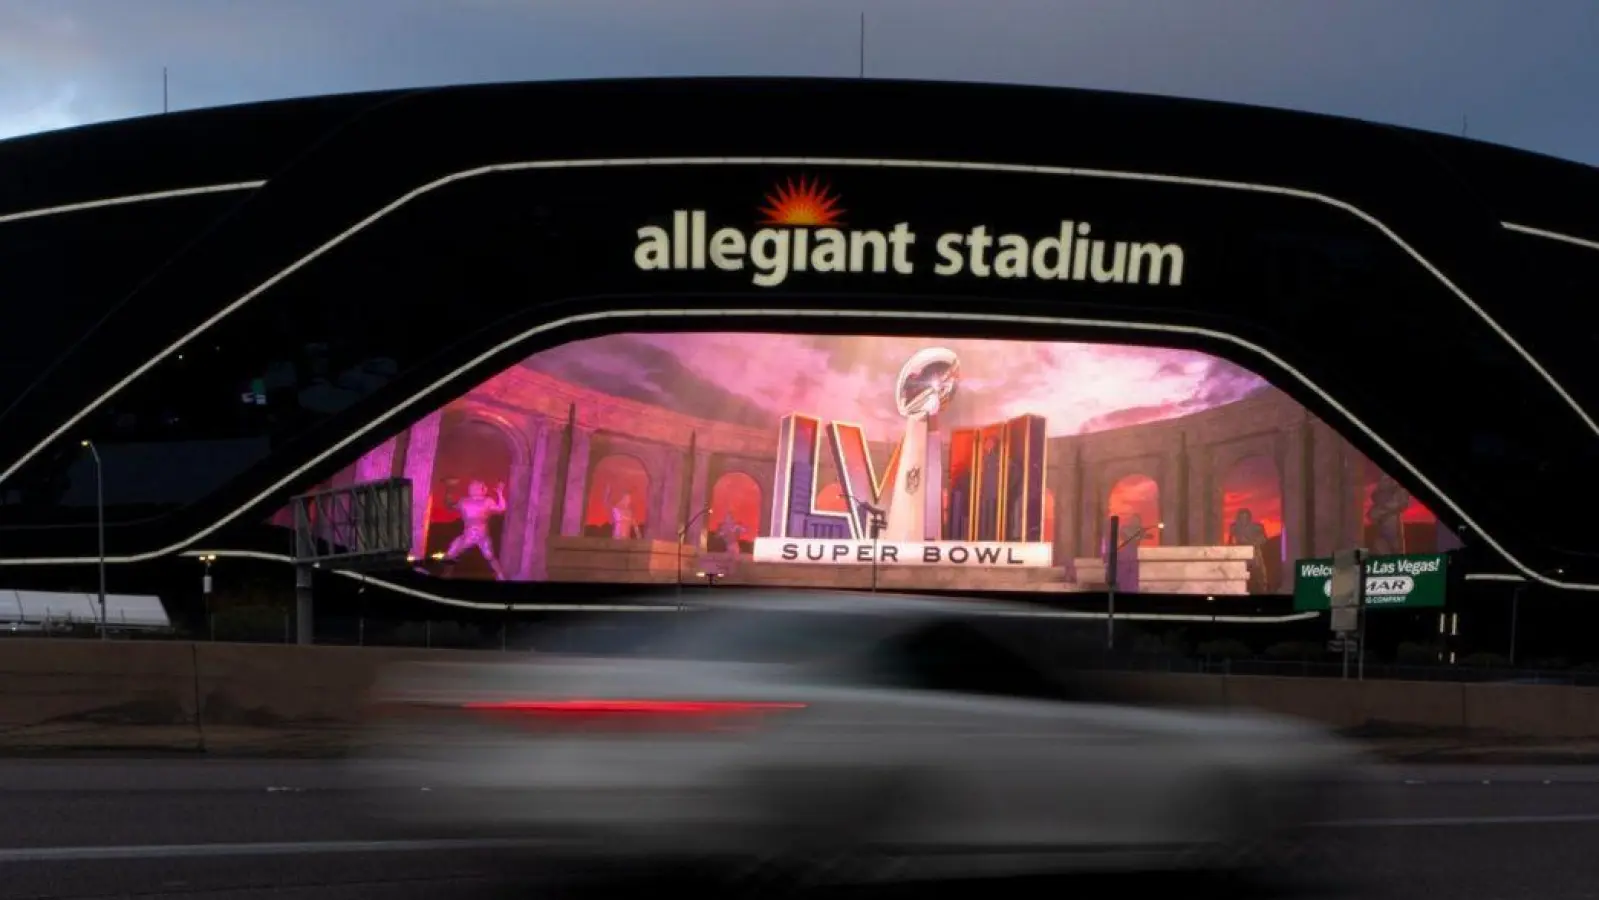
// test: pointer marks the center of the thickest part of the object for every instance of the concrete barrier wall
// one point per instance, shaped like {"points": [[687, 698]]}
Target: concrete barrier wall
{"points": [[1489, 710], [81, 694], [86, 694]]}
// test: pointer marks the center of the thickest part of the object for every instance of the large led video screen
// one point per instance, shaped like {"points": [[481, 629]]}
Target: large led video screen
{"points": [[892, 462]]}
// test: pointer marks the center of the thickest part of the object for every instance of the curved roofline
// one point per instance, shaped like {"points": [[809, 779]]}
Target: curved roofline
{"points": [[355, 99], [258, 140]]}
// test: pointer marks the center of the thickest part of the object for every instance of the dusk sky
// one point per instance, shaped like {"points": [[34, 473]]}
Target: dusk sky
{"points": [[1520, 73], [755, 379]]}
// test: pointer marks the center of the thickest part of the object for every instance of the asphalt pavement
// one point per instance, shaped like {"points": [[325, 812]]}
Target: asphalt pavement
{"points": [[230, 830]]}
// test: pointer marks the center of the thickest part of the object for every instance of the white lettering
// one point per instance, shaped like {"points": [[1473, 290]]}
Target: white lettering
{"points": [[774, 254], [727, 249], [830, 251], [1159, 256], [769, 254], [950, 261], [654, 250], [966, 554]]}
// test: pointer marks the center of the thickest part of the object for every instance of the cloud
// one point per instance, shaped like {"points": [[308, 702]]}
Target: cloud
{"points": [[754, 379], [1524, 73]]}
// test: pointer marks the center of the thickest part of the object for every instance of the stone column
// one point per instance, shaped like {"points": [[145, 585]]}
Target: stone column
{"points": [[536, 502], [378, 463], [1058, 481], [575, 504], [1330, 483], [1352, 486], [1167, 499], [514, 523], [666, 498], [1180, 524], [1079, 505], [420, 455], [1298, 502], [763, 480], [699, 496], [1203, 518], [542, 501], [1347, 491]]}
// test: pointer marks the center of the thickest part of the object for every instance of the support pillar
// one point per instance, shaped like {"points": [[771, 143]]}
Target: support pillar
{"points": [[1294, 485], [304, 575], [1182, 510], [576, 482], [537, 505], [377, 464], [420, 456]]}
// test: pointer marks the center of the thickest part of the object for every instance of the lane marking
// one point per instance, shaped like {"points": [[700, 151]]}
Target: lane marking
{"points": [[324, 848], [295, 848], [1464, 821]]}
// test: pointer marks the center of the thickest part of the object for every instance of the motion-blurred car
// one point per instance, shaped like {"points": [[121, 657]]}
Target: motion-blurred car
{"points": [[837, 737]]}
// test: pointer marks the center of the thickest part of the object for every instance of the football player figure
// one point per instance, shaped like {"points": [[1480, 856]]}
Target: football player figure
{"points": [[476, 508]]}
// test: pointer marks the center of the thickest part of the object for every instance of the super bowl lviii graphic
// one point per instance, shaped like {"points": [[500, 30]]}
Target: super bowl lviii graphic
{"points": [[839, 461]]}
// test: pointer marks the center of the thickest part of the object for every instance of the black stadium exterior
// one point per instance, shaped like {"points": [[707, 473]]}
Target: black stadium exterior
{"points": [[1423, 295]]}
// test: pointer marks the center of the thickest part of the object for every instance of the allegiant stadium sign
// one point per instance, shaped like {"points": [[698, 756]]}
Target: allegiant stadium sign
{"points": [[802, 231]]}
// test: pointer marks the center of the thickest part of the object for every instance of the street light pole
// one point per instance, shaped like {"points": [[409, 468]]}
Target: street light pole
{"points": [[1115, 544], [205, 593], [99, 525], [1113, 547], [1515, 616]]}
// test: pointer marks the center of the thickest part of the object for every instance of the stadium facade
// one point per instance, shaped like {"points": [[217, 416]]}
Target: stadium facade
{"points": [[1145, 297]]}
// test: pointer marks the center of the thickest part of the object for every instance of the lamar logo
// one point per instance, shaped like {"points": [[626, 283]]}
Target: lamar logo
{"points": [[803, 231]]}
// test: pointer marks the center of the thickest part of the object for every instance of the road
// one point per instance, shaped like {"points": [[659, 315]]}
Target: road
{"points": [[238, 830]]}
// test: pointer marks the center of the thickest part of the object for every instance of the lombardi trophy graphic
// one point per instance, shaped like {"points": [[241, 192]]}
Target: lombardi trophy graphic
{"points": [[476, 508], [915, 504]]}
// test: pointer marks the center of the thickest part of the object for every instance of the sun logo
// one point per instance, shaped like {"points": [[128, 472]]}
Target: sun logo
{"points": [[805, 202]]}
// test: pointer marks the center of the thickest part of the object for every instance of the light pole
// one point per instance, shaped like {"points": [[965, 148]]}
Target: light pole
{"points": [[875, 519], [682, 535], [1515, 616], [205, 592], [1116, 545], [1210, 601], [99, 525]]}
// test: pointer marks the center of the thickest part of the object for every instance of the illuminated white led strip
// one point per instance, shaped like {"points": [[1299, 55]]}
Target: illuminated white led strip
{"points": [[1546, 234], [1565, 239], [127, 200], [1551, 235], [798, 161], [663, 607]]}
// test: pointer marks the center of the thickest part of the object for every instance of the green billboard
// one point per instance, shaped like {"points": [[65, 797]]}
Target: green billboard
{"points": [[1407, 581]]}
